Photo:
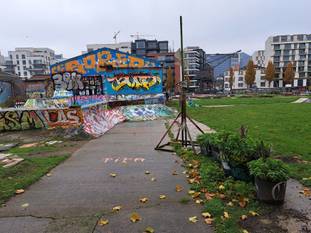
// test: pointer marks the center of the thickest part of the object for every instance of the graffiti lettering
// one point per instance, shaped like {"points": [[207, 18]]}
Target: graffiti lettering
{"points": [[68, 81], [134, 82], [35, 119], [98, 60]]}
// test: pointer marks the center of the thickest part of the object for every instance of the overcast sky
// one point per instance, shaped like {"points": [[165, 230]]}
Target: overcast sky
{"points": [[66, 26]]}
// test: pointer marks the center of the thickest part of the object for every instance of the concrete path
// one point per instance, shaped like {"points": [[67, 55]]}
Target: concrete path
{"points": [[81, 190]]}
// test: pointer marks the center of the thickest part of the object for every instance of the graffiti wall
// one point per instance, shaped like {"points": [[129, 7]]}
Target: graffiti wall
{"points": [[107, 71], [35, 119], [5, 91]]}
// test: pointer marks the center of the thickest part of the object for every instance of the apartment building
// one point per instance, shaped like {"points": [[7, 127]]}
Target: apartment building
{"points": [[259, 58], [239, 80], [194, 60], [283, 49], [30, 61], [122, 47]]}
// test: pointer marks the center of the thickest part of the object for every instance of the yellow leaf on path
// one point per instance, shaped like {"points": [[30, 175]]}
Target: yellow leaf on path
{"points": [[191, 181], [143, 200], [48, 174], [221, 187], [206, 215], [243, 217], [174, 173], [103, 222], [307, 192], [199, 201], [244, 231], [193, 219], [226, 214], [147, 172], [184, 172], [196, 194], [153, 179], [19, 191], [190, 192], [162, 196], [190, 165], [149, 230], [253, 213], [116, 208], [209, 221], [113, 174], [135, 217], [25, 205], [178, 188], [307, 178]]}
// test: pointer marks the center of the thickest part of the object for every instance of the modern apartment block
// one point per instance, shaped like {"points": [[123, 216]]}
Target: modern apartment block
{"points": [[194, 60], [259, 58], [122, 47], [239, 80], [144, 47], [283, 49], [31, 61]]}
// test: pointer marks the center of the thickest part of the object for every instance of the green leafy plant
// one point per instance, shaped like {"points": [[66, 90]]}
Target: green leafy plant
{"points": [[269, 169]]}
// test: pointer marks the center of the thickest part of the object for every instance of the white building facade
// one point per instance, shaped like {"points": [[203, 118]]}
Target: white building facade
{"points": [[122, 47], [259, 58], [31, 61], [239, 80]]}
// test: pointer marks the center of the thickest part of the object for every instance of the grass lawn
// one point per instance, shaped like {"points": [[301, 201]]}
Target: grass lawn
{"points": [[276, 120], [28, 171]]}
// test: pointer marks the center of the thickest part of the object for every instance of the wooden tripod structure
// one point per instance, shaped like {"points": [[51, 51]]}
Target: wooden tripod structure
{"points": [[183, 129]]}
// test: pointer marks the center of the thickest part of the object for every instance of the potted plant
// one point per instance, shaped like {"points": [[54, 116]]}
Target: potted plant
{"points": [[271, 176]]}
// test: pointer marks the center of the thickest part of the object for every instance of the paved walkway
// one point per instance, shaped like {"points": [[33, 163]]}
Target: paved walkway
{"points": [[81, 190]]}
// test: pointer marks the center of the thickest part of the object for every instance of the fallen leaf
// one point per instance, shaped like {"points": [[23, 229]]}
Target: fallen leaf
{"points": [[135, 217], [253, 213], [25, 205], [307, 178], [243, 217], [199, 201], [48, 174], [178, 188], [230, 204], [190, 165], [193, 219], [209, 221], [196, 194], [149, 230], [243, 202], [19, 191], [226, 214], [174, 173], [191, 181], [184, 172], [113, 174], [116, 208], [222, 196], [162, 196], [190, 192], [244, 231], [209, 196], [143, 200], [206, 215], [103, 222], [307, 192], [153, 179], [147, 172], [221, 187]]}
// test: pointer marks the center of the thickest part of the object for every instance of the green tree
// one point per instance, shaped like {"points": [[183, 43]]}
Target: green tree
{"points": [[250, 73], [270, 72], [231, 78], [289, 74]]}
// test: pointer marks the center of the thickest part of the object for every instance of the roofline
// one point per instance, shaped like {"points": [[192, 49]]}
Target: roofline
{"points": [[103, 49]]}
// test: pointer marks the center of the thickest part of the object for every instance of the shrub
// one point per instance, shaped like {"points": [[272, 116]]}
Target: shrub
{"points": [[269, 169]]}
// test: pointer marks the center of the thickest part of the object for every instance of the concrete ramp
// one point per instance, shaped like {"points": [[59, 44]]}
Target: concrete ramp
{"points": [[302, 100]]}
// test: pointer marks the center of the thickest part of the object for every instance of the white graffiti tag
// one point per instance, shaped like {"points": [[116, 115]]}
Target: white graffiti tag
{"points": [[68, 81], [123, 160]]}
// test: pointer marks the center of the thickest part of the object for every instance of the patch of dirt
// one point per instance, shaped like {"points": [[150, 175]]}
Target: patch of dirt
{"points": [[292, 159], [278, 221]]}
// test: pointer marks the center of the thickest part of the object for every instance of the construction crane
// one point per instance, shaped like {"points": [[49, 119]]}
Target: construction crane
{"points": [[138, 36], [115, 36]]}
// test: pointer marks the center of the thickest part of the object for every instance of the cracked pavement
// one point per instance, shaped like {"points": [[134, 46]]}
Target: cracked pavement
{"points": [[81, 191]]}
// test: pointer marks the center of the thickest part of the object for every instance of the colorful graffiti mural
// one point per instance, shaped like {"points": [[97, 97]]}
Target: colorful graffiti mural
{"points": [[35, 119], [107, 71], [127, 82], [101, 60]]}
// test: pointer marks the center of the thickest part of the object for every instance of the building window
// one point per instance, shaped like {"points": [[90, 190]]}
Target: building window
{"points": [[19, 73], [283, 38], [163, 46], [240, 78], [262, 84], [23, 56], [276, 39], [140, 44], [24, 62], [300, 37], [240, 84], [11, 58], [18, 68], [25, 73], [17, 62], [17, 56], [288, 46]]}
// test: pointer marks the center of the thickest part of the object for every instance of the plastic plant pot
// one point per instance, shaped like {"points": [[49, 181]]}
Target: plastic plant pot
{"points": [[270, 192]]}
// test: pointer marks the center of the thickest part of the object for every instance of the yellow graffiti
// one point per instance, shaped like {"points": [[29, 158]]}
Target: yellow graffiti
{"points": [[99, 61], [135, 82]]}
